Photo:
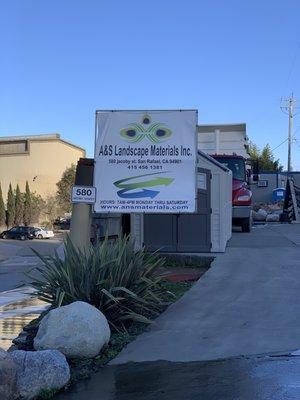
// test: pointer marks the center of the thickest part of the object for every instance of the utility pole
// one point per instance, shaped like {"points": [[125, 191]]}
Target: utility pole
{"points": [[288, 107], [291, 108]]}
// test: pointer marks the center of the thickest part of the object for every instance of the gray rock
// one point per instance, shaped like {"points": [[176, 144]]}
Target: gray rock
{"points": [[259, 216], [262, 212], [279, 212], [8, 376], [40, 370], [273, 217], [78, 330]]}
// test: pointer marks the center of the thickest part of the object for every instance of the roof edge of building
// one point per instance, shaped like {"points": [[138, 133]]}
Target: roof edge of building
{"points": [[237, 127], [30, 137], [40, 138], [73, 145]]}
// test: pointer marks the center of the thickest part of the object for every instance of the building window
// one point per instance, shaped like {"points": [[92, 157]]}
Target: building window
{"points": [[14, 147]]}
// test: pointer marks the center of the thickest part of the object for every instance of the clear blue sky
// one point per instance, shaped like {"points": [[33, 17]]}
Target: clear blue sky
{"points": [[232, 60]]}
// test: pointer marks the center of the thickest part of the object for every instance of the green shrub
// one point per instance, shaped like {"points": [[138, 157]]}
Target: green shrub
{"points": [[18, 207], [118, 280], [27, 206]]}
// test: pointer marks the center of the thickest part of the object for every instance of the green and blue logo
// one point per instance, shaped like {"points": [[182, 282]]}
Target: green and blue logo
{"points": [[156, 132], [127, 186], [133, 187]]}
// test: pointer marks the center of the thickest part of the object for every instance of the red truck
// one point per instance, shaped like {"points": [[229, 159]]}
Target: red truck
{"points": [[241, 195]]}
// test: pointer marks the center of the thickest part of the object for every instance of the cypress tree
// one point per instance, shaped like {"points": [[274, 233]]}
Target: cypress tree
{"points": [[2, 209], [10, 206], [27, 215], [18, 207]]}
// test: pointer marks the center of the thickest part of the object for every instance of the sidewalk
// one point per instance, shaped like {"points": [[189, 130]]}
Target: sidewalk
{"points": [[247, 303]]}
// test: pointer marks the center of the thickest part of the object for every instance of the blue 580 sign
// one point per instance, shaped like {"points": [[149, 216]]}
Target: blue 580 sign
{"points": [[83, 194]]}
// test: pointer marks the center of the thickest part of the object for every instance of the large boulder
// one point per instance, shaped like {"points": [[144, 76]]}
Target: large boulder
{"points": [[8, 376], [78, 330], [40, 370]]}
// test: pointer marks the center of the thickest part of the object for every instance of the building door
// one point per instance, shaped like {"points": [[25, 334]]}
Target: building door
{"points": [[160, 232], [182, 232]]}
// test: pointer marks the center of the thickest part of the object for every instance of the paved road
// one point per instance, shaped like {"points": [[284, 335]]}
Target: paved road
{"points": [[17, 257], [247, 303], [263, 378], [23, 248]]}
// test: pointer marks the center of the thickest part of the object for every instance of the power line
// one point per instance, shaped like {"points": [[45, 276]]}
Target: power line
{"points": [[280, 144], [285, 140]]}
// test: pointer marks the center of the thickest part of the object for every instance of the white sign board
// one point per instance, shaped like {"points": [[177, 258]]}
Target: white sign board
{"points": [[83, 194], [145, 161]]}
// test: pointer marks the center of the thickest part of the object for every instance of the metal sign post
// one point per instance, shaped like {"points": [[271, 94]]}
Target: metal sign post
{"points": [[83, 193]]}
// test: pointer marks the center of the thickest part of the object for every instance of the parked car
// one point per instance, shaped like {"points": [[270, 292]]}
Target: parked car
{"points": [[62, 223], [43, 233], [19, 232]]}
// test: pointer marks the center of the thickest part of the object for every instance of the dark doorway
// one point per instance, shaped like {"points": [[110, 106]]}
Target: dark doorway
{"points": [[126, 224]]}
